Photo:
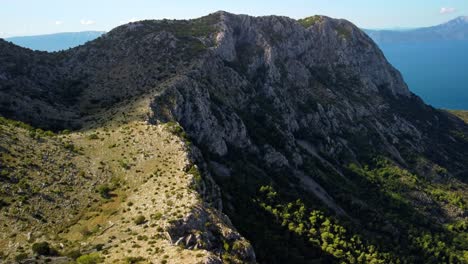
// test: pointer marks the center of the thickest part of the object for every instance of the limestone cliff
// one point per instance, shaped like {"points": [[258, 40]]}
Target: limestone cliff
{"points": [[310, 107]]}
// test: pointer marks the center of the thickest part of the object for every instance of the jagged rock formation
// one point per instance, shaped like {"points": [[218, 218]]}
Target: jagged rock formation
{"points": [[265, 100], [274, 88]]}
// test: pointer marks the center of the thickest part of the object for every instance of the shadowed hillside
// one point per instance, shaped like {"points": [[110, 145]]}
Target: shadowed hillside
{"points": [[299, 130]]}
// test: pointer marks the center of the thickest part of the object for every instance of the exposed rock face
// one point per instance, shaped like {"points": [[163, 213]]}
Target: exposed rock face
{"points": [[272, 97], [328, 43], [269, 82], [203, 230], [55, 90], [290, 102]]}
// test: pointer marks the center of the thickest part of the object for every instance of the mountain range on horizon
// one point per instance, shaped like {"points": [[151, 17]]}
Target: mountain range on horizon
{"points": [[432, 60], [56, 41], [455, 29]]}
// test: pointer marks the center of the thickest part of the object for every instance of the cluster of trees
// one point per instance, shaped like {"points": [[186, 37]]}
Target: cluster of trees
{"points": [[386, 225], [320, 230], [420, 239]]}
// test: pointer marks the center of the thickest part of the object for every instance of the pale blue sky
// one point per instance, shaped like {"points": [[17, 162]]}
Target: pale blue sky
{"points": [[31, 17]]}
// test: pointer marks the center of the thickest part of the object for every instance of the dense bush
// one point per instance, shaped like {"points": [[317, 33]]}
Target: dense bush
{"points": [[177, 130], [92, 258], [124, 164], [196, 175], [21, 256], [44, 249], [92, 136], [104, 191], [139, 220]]}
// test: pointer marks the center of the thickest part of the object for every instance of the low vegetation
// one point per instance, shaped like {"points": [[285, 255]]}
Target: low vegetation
{"points": [[320, 230], [44, 249], [93, 258], [74, 191], [309, 21], [461, 114]]}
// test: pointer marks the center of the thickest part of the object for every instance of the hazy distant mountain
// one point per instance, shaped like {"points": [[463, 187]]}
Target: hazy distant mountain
{"points": [[432, 60], [56, 42], [456, 29]]}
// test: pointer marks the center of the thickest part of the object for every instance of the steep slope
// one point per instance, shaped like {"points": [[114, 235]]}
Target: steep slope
{"points": [[125, 192], [302, 108], [321, 151], [462, 114], [55, 90]]}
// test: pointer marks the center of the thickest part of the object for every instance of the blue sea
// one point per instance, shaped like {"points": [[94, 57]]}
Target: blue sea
{"points": [[436, 71]]}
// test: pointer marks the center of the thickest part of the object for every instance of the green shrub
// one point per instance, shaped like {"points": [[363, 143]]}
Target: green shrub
{"points": [[196, 175], [309, 21], [157, 216], [226, 245], [21, 257], [49, 133], [142, 237], [124, 164], [92, 136], [140, 220], [92, 258], [71, 147], [104, 190], [177, 130], [44, 249]]}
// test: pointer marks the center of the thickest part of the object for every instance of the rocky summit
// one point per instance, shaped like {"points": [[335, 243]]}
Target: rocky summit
{"points": [[226, 139]]}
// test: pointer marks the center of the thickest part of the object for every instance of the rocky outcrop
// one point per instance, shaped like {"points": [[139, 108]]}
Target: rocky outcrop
{"points": [[210, 230], [270, 85], [258, 84], [263, 100]]}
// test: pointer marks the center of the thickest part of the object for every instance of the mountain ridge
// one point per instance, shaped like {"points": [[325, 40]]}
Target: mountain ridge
{"points": [[319, 149], [55, 41], [455, 29], [420, 53]]}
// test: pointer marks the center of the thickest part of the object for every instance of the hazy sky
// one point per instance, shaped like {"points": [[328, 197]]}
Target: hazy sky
{"points": [[30, 17]]}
